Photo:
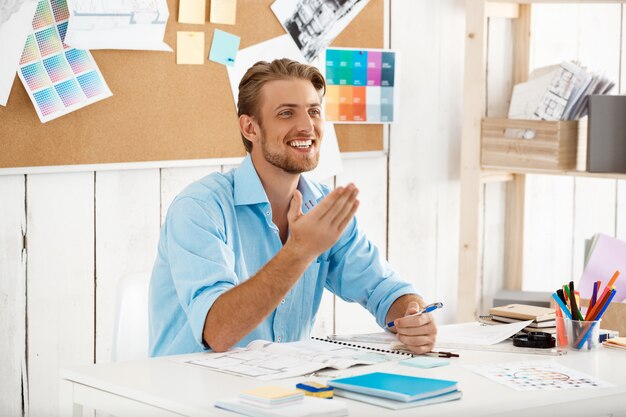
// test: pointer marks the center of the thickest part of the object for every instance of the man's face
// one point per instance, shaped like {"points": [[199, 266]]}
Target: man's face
{"points": [[292, 125]]}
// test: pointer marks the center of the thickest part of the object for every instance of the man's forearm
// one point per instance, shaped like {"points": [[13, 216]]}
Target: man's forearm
{"points": [[239, 310]]}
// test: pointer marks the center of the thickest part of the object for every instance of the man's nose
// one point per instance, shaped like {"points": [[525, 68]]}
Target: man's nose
{"points": [[305, 123]]}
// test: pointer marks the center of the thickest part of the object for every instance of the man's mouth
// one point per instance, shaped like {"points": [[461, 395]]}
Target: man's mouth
{"points": [[300, 144]]}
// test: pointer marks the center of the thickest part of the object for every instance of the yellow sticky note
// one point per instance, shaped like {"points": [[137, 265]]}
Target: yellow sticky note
{"points": [[190, 48], [223, 11], [192, 11]]}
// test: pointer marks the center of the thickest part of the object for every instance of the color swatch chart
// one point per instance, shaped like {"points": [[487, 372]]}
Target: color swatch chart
{"points": [[360, 85], [59, 79]]}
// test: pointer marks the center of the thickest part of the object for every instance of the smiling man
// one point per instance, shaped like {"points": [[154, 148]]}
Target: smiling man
{"points": [[246, 255]]}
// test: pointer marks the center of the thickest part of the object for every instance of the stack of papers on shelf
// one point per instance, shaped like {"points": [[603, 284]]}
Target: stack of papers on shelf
{"points": [[308, 407], [557, 92], [615, 343], [543, 319], [395, 391], [272, 396]]}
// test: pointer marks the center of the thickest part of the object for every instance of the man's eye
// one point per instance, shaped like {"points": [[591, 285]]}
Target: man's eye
{"points": [[315, 112], [285, 113]]}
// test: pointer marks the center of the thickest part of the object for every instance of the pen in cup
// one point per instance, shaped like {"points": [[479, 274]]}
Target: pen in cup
{"points": [[427, 309]]}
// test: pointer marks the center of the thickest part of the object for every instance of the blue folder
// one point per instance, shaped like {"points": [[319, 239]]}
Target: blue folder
{"points": [[394, 386]]}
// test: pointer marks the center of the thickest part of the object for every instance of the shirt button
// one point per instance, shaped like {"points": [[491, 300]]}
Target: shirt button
{"points": [[267, 213], [278, 339], [282, 301]]}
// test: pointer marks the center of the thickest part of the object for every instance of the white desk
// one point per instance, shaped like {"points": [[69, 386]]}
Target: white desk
{"points": [[162, 387]]}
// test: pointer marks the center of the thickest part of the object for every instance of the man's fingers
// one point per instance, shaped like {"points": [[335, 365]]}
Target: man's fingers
{"points": [[337, 210], [345, 208], [327, 202], [344, 222]]}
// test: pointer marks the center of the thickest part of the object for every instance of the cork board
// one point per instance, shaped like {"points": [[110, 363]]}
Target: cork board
{"points": [[161, 111]]}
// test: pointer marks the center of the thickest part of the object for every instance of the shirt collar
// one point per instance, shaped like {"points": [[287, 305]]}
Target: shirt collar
{"points": [[249, 190], [311, 195], [248, 187]]}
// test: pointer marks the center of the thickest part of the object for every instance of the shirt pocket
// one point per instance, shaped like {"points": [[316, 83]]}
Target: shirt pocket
{"points": [[313, 281]]}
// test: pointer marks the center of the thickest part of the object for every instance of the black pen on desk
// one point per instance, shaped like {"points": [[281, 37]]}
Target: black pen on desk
{"points": [[442, 354]]}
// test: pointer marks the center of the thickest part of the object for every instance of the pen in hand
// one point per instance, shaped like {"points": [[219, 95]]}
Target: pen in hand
{"points": [[427, 309]]}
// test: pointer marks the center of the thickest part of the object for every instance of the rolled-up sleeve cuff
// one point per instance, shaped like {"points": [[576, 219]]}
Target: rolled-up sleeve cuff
{"points": [[384, 296], [200, 308]]}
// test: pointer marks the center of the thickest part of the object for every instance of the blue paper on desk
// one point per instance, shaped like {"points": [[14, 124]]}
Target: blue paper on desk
{"points": [[395, 386]]}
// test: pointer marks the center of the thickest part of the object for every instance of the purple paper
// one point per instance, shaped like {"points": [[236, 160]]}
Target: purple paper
{"points": [[608, 256]]}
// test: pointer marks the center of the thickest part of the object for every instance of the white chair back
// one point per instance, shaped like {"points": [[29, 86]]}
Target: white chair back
{"points": [[130, 334]]}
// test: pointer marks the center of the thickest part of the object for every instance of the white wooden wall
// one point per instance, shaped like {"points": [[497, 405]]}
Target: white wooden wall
{"points": [[560, 212]]}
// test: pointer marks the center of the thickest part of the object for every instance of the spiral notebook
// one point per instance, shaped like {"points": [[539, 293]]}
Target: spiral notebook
{"points": [[374, 345], [268, 361]]}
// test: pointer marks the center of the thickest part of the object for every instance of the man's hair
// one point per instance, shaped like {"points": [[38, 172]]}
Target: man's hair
{"points": [[262, 72]]}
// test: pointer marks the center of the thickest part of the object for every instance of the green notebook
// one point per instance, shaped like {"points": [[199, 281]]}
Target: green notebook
{"points": [[395, 386]]}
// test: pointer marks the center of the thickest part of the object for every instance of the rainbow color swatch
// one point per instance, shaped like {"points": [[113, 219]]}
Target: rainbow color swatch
{"points": [[49, 41], [92, 84], [31, 52], [360, 85], [48, 101], [69, 92], [58, 79], [57, 68], [43, 16], [80, 60], [60, 10], [35, 76]]}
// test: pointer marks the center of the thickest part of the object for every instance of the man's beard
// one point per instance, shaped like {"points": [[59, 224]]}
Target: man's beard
{"points": [[282, 160]]}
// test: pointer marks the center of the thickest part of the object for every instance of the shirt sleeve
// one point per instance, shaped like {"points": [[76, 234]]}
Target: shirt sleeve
{"points": [[201, 263], [358, 273]]}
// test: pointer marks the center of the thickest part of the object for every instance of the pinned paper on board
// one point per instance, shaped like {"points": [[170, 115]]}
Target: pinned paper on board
{"points": [[190, 48], [313, 25], [361, 85], [224, 48], [16, 20], [223, 12], [118, 24], [58, 79], [192, 11]]}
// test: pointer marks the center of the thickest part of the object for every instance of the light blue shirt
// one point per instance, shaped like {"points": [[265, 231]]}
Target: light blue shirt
{"points": [[219, 232]]}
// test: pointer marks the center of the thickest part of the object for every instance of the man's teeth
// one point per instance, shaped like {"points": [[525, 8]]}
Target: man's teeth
{"points": [[301, 143]]}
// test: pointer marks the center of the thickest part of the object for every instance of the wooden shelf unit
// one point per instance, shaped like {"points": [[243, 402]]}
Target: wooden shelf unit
{"points": [[473, 174]]}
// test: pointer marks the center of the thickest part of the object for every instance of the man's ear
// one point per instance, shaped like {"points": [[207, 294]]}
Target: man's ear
{"points": [[249, 128]]}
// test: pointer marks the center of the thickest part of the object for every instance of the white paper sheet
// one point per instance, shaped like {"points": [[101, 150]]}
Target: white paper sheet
{"points": [[118, 24], [276, 48], [16, 20], [477, 334]]}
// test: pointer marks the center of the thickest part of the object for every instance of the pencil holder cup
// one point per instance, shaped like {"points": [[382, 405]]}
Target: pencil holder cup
{"points": [[581, 335]]}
